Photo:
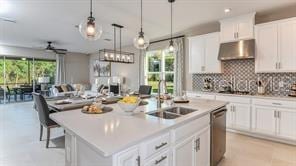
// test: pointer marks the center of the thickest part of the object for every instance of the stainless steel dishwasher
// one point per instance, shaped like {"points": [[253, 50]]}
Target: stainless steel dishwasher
{"points": [[218, 135]]}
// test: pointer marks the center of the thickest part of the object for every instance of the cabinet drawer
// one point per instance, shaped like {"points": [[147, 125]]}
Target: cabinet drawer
{"points": [[155, 145], [234, 99], [163, 159], [190, 128], [201, 96], [275, 103]]}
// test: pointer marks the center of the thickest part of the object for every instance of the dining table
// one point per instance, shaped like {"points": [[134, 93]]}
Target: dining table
{"points": [[65, 103]]}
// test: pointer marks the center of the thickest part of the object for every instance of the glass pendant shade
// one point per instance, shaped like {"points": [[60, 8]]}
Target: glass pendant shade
{"points": [[141, 42], [90, 30], [172, 47]]}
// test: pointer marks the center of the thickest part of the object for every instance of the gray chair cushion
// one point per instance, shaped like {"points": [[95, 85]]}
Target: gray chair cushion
{"points": [[43, 111]]}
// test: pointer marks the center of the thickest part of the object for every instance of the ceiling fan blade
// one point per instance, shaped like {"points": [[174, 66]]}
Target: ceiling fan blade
{"points": [[60, 49], [7, 20]]}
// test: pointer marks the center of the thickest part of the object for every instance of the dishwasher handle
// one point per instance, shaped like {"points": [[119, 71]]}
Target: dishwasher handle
{"points": [[219, 114]]}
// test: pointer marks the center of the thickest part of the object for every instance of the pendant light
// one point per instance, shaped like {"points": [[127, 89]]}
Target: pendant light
{"points": [[140, 41], [89, 29], [171, 47]]}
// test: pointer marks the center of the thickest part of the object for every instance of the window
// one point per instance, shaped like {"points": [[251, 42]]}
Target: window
{"points": [[160, 65]]}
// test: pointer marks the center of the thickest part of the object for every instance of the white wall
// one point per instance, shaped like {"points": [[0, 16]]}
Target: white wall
{"points": [[129, 71], [77, 68], [77, 65]]}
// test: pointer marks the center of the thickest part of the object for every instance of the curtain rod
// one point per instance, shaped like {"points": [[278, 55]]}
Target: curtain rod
{"points": [[157, 41]]}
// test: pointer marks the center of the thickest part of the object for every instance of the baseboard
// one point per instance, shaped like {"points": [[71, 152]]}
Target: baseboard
{"points": [[262, 136]]}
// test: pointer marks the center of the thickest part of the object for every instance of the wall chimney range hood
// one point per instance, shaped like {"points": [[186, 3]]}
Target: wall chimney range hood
{"points": [[243, 49]]}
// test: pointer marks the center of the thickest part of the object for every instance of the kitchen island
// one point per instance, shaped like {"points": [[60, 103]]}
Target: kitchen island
{"points": [[116, 139]]}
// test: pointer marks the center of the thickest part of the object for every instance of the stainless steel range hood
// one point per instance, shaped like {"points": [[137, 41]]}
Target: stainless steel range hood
{"points": [[244, 49]]}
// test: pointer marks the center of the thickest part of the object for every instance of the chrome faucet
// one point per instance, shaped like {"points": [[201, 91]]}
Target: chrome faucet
{"points": [[159, 90]]}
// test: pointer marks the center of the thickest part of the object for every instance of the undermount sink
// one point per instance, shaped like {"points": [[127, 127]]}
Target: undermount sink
{"points": [[180, 110], [171, 113], [164, 115]]}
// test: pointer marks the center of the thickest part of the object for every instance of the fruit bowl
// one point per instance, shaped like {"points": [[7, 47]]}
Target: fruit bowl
{"points": [[129, 104]]}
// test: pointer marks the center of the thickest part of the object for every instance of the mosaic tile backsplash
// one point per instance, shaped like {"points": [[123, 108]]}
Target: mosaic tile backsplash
{"points": [[241, 74]]}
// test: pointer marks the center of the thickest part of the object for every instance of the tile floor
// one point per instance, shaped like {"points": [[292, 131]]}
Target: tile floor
{"points": [[20, 146]]}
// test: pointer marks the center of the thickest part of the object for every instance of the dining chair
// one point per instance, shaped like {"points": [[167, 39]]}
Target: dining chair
{"points": [[145, 90], [43, 113], [10, 93], [27, 91], [2, 94]]}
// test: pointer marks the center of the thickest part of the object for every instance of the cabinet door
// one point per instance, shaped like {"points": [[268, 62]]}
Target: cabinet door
{"points": [[184, 152], [266, 48], [196, 54], [264, 120], [228, 30], [212, 43], [128, 158], [287, 46], [245, 28], [229, 116], [287, 123], [242, 116], [203, 148]]}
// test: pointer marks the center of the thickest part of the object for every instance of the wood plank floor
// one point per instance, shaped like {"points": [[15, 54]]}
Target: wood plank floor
{"points": [[20, 145]]}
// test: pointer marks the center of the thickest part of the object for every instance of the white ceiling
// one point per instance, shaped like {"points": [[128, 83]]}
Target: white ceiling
{"points": [[41, 20]]}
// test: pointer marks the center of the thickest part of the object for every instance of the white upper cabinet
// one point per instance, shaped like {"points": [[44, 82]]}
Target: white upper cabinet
{"points": [[237, 28], [266, 48], [287, 46], [276, 46], [196, 54], [203, 54]]}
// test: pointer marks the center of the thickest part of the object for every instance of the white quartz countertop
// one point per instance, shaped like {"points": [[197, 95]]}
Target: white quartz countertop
{"points": [[115, 131], [286, 98]]}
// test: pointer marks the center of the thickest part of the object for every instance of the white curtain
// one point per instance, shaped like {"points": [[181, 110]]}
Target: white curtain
{"points": [[61, 70], [179, 66], [142, 54]]}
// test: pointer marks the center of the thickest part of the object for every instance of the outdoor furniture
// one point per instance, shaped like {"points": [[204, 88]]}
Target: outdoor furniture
{"points": [[27, 91], [10, 93], [145, 90], [43, 113], [1, 94]]}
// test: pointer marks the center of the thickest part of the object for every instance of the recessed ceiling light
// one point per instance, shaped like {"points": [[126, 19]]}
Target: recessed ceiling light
{"points": [[4, 6], [227, 10]]}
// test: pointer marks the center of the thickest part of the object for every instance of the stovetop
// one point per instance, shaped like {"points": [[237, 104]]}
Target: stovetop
{"points": [[236, 92]]}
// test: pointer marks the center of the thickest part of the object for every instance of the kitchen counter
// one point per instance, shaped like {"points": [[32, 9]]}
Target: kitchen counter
{"points": [[286, 98], [115, 131]]}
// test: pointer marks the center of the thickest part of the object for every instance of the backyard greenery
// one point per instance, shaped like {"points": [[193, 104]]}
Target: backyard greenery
{"points": [[21, 71], [160, 65]]}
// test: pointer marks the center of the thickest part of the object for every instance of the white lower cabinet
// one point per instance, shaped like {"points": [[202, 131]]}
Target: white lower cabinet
{"points": [[184, 153], [287, 123], [242, 116], [130, 157], [264, 120], [276, 121], [193, 151], [203, 152]]}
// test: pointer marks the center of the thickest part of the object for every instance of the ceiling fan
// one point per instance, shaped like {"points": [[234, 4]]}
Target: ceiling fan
{"points": [[5, 19], [50, 48]]}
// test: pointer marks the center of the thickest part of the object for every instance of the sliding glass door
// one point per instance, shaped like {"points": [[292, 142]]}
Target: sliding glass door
{"points": [[20, 76]]}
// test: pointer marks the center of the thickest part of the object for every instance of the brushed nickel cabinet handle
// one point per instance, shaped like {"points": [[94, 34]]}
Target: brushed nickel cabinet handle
{"points": [[139, 161], [160, 160], [276, 103], [161, 145]]}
